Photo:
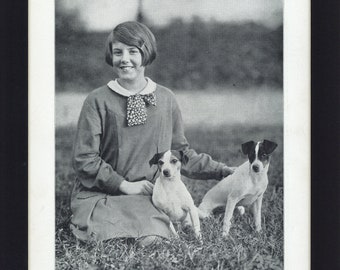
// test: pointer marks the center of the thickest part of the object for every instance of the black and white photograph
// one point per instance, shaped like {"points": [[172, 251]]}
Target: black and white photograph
{"points": [[169, 135]]}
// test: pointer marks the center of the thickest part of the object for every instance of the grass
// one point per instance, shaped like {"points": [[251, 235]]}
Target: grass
{"points": [[244, 249]]}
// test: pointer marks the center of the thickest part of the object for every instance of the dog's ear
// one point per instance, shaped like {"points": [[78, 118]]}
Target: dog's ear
{"points": [[247, 147], [184, 158], [155, 159], [269, 146]]}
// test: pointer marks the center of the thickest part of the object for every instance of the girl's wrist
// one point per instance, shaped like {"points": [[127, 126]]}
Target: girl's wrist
{"points": [[226, 170], [124, 186]]}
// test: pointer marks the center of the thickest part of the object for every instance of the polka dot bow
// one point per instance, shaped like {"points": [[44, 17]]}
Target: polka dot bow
{"points": [[136, 108]]}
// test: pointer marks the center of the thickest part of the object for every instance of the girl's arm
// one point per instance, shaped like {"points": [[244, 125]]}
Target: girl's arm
{"points": [[91, 169], [200, 166]]}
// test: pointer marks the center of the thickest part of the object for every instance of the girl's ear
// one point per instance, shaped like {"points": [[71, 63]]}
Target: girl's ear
{"points": [[155, 159], [184, 158], [247, 147]]}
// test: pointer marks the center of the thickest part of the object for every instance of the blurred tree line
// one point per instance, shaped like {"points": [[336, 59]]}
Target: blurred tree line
{"points": [[196, 55]]}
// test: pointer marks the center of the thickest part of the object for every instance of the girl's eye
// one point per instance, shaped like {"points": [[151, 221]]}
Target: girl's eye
{"points": [[117, 53], [134, 52]]}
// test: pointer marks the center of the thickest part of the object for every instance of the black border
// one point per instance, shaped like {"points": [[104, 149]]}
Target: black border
{"points": [[14, 134], [325, 161], [325, 135]]}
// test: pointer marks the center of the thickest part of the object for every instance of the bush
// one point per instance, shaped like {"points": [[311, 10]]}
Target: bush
{"points": [[193, 55]]}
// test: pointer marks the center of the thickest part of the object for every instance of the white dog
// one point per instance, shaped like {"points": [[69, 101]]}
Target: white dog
{"points": [[244, 187], [170, 194]]}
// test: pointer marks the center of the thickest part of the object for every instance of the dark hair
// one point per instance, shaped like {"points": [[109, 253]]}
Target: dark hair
{"points": [[133, 34]]}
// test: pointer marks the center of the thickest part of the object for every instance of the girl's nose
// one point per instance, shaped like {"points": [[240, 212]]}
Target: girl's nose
{"points": [[125, 56]]}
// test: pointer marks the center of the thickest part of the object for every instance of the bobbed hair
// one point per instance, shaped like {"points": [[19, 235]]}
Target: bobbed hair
{"points": [[135, 34]]}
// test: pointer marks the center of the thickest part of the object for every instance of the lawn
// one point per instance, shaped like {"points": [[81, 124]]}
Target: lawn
{"points": [[244, 249]]}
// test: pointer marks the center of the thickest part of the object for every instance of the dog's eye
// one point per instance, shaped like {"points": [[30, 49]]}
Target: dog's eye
{"points": [[160, 162], [174, 161], [264, 155]]}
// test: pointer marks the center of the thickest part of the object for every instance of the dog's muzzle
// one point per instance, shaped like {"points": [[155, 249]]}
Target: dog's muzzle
{"points": [[166, 173], [255, 167]]}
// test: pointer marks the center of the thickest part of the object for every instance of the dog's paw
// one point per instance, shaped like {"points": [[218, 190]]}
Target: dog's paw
{"points": [[199, 238], [225, 234], [241, 210], [225, 230]]}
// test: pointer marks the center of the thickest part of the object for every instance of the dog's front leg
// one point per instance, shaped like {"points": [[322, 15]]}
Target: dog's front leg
{"points": [[229, 210], [256, 207], [195, 221]]}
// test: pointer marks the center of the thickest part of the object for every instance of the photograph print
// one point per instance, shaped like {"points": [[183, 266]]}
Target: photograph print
{"points": [[169, 134]]}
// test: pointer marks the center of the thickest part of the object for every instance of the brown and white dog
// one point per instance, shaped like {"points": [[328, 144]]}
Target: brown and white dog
{"points": [[244, 187], [170, 195]]}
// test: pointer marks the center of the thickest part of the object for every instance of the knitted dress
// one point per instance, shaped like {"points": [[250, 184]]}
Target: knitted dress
{"points": [[108, 151]]}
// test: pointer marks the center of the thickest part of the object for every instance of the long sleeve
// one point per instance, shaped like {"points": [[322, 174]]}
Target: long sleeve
{"points": [[200, 166], [92, 171]]}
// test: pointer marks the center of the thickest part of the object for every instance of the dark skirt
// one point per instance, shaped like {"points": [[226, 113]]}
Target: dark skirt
{"points": [[98, 216]]}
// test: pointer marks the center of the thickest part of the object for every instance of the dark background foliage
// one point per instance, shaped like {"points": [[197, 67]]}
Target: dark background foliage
{"points": [[191, 55]]}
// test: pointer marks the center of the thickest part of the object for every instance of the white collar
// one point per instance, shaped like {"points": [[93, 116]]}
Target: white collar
{"points": [[116, 87]]}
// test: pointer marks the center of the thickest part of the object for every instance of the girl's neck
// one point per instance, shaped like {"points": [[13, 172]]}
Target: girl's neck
{"points": [[134, 86]]}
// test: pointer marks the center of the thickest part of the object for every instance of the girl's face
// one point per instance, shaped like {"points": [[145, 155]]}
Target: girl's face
{"points": [[127, 62]]}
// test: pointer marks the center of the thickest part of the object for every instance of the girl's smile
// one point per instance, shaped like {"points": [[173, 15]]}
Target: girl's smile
{"points": [[127, 64]]}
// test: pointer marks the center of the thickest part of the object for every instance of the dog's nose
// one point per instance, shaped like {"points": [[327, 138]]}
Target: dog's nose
{"points": [[166, 173], [256, 168]]}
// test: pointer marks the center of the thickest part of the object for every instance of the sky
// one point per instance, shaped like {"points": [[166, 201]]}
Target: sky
{"points": [[102, 15]]}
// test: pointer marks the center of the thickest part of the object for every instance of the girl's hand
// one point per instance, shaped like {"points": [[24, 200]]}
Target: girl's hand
{"points": [[143, 187], [228, 170]]}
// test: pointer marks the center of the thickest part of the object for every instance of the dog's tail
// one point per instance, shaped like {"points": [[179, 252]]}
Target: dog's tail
{"points": [[202, 214]]}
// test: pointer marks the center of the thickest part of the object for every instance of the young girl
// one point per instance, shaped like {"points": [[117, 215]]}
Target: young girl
{"points": [[120, 128]]}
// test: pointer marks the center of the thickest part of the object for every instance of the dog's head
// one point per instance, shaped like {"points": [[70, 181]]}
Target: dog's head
{"points": [[169, 162], [258, 154]]}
